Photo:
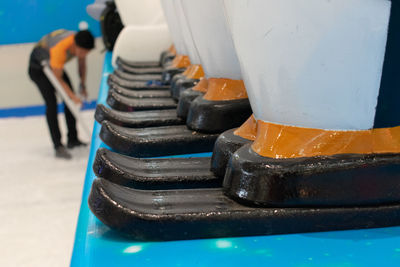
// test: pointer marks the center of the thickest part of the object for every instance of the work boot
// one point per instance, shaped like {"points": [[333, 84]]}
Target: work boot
{"points": [[62, 152]]}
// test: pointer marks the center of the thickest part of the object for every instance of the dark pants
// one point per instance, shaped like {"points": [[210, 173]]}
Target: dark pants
{"points": [[48, 93]]}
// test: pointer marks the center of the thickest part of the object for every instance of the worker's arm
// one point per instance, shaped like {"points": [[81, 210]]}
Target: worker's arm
{"points": [[59, 74], [82, 75]]}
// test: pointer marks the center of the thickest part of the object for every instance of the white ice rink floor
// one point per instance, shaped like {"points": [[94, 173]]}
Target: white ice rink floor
{"points": [[40, 195]]}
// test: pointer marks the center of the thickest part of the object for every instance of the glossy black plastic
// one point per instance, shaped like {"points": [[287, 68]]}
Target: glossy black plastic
{"points": [[227, 143], [139, 70], [169, 73], [339, 180], [138, 119], [180, 86], [146, 215], [154, 174], [185, 100], [136, 85], [136, 77], [123, 103], [217, 116], [148, 64], [140, 93], [156, 141], [168, 173]]}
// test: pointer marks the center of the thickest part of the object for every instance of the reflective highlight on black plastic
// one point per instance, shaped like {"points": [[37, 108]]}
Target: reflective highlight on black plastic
{"points": [[155, 174], [137, 85], [156, 141], [181, 85], [137, 77], [185, 100], [227, 143], [339, 180], [217, 116], [123, 103], [132, 93], [138, 119], [208, 213]]}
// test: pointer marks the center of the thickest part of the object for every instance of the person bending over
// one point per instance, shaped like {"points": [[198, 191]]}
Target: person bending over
{"points": [[57, 48]]}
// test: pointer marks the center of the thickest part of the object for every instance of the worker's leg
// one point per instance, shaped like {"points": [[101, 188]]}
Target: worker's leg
{"points": [[71, 122], [48, 93]]}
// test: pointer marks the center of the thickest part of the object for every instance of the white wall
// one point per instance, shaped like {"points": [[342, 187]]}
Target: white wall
{"points": [[17, 90]]}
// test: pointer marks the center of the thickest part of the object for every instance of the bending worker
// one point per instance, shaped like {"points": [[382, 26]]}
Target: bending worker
{"points": [[59, 47]]}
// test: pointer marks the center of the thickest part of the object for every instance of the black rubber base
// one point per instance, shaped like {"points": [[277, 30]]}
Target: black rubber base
{"points": [[140, 93], [123, 103], [180, 86], [149, 64], [154, 174], [165, 60], [168, 173], [185, 100], [156, 141], [137, 77], [339, 180], [208, 213], [136, 70], [136, 85], [138, 119], [169, 73], [227, 143], [176, 78], [217, 116]]}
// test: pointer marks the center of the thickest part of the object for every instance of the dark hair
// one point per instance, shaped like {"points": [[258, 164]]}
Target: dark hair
{"points": [[84, 39]]}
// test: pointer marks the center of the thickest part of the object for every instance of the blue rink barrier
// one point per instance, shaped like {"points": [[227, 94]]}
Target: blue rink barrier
{"points": [[97, 245], [38, 110]]}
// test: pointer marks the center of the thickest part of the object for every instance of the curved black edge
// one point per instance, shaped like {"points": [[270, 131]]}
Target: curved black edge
{"points": [[181, 85], [123, 103], [227, 143], [207, 213], [185, 100], [140, 93], [138, 119], [217, 116], [166, 59], [155, 141], [169, 73], [340, 180], [154, 174], [176, 78], [149, 64], [137, 77], [134, 85], [133, 70]]}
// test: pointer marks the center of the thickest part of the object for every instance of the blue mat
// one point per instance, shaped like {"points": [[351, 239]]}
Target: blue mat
{"points": [[97, 245]]}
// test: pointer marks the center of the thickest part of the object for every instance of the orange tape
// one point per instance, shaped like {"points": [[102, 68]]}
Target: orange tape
{"points": [[201, 86], [225, 89], [194, 72], [181, 61], [186, 72], [280, 141], [248, 130]]}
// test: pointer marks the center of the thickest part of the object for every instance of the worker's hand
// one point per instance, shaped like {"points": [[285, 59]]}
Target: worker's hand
{"points": [[76, 99], [83, 91]]}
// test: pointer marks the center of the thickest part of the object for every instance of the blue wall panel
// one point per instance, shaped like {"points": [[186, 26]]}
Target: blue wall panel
{"points": [[26, 21]]}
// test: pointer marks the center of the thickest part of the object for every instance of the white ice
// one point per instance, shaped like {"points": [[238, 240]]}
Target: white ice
{"points": [[40, 195]]}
